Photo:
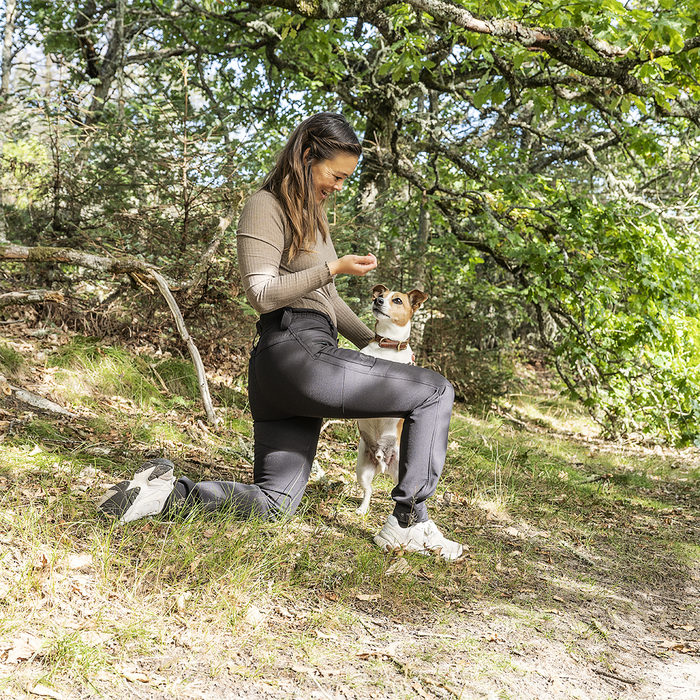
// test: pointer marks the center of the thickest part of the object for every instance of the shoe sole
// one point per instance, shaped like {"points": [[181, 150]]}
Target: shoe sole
{"points": [[143, 495]]}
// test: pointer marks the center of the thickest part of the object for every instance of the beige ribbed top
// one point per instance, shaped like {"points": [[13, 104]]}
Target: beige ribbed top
{"points": [[272, 281]]}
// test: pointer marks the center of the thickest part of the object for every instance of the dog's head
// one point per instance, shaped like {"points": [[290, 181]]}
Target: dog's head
{"points": [[395, 307]]}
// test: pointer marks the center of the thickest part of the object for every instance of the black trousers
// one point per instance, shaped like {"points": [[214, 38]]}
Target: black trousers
{"points": [[299, 376]]}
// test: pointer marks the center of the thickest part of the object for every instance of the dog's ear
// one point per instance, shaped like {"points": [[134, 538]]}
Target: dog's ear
{"points": [[416, 297], [378, 290]]}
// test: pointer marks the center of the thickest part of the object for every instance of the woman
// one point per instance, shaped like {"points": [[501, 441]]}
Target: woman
{"points": [[298, 375]]}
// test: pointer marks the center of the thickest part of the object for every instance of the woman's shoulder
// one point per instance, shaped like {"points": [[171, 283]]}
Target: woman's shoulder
{"points": [[262, 215], [262, 199]]}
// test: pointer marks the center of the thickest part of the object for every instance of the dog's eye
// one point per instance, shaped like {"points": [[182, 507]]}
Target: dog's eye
{"points": [[397, 300]]}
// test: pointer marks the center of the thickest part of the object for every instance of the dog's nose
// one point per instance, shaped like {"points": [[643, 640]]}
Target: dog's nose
{"points": [[379, 301]]}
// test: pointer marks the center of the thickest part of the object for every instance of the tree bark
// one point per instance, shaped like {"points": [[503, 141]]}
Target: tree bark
{"points": [[8, 37], [31, 296]]}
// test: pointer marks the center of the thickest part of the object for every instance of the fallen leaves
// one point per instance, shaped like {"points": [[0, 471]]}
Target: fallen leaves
{"points": [[4, 386], [385, 653], [45, 692], [24, 647], [254, 616], [76, 562], [687, 628], [680, 646], [314, 671], [307, 670], [132, 675], [181, 601], [400, 566], [323, 635]]}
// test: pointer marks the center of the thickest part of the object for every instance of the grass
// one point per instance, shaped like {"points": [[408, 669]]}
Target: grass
{"points": [[11, 361], [559, 534]]}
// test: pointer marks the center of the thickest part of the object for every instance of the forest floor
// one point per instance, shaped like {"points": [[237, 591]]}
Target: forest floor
{"points": [[580, 578]]}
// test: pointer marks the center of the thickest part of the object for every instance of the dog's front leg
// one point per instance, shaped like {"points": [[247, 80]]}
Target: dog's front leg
{"points": [[365, 473]]}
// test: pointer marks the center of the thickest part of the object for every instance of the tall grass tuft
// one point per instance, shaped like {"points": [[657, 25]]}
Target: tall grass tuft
{"points": [[88, 370], [10, 360]]}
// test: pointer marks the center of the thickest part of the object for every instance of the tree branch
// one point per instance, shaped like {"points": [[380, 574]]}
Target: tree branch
{"points": [[31, 296]]}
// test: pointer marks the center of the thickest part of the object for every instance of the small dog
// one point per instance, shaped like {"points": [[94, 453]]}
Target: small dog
{"points": [[378, 451]]}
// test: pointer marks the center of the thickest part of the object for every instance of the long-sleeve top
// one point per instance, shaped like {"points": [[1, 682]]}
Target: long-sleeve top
{"points": [[271, 280]]}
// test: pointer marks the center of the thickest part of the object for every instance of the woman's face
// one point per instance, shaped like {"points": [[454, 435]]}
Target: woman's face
{"points": [[329, 175]]}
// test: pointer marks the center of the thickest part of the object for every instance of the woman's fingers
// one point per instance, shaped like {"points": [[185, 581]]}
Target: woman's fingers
{"points": [[366, 263], [357, 265]]}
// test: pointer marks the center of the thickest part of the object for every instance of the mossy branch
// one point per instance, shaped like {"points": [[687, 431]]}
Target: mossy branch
{"points": [[31, 296]]}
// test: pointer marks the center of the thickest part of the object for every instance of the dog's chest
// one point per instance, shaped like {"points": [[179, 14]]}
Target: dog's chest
{"points": [[404, 356]]}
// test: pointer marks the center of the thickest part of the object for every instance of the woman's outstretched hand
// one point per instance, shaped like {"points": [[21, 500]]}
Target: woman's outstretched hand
{"points": [[358, 265]]}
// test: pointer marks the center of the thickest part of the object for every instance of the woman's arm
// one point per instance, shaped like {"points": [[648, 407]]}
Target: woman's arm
{"points": [[260, 242], [349, 325], [358, 265]]}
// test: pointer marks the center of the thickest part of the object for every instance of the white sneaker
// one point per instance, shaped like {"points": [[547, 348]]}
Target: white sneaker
{"points": [[423, 538], [141, 496]]}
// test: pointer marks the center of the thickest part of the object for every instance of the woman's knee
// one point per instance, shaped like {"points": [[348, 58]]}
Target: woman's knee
{"points": [[448, 389], [443, 386]]}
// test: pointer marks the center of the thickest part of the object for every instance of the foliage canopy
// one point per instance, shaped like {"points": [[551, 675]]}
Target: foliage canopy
{"points": [[534, 165]]}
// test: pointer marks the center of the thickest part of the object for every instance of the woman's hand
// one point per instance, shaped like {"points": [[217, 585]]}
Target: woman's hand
{"points": [[358, 265]]}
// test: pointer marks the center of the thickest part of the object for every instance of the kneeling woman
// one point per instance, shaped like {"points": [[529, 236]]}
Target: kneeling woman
{"points": [[298, 374]]}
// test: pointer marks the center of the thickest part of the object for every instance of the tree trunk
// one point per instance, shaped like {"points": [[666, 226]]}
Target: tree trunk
{"points": [[374, 178], [373, 183], [9, 31], [8, 39], [112, 63], [421, 317]]}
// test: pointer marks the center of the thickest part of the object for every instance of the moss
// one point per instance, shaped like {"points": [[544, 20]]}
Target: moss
{"points": [[42, 254]]}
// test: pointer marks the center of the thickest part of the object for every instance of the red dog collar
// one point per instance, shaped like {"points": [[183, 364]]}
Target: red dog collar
{"points": [[389, 343]]}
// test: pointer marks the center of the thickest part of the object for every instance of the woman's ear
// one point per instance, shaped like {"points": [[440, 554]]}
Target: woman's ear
{"points": [[305, 156]]}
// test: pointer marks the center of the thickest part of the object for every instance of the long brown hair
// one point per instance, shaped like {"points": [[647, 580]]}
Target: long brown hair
{"points": [[320, 137]]}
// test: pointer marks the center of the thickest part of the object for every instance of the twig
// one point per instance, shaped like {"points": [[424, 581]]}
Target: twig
{"points": [[123, 265], [328, 423], [653, 653], [31, 296], [194, 353], [160, 379], [615, 677], [39, 402]]}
